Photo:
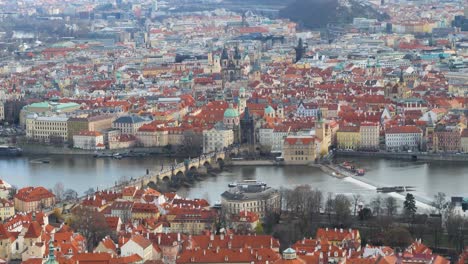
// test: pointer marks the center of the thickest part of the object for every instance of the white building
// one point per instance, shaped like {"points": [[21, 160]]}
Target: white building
{"points": [[90, 140], [273, 137], [139, 245], [5, 189], [47, 128], [217, 138], [307, 110], [400, 138], [2, 111], [129, 124]]}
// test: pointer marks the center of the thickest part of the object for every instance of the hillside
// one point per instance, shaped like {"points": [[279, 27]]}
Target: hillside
{"points": [[318, 13]]}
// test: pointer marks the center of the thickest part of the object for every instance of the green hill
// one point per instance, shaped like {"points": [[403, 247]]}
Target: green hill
{"points": [[318, 13]]}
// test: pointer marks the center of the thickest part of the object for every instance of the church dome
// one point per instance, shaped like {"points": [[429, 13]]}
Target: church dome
{"points": [[269, 110], [231, 112]]}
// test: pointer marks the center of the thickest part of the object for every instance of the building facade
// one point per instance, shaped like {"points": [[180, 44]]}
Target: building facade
{"points": [[464, 140], [250, 196], [301, 150], [129, 124], [89, 140], [33, 198], [446, 139], [401, 138], [369, 136], [217, 138], [348, 137], [47, 129]]}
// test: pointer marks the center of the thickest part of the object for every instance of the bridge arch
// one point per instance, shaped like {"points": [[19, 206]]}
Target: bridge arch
{"points": [[166, 179]]}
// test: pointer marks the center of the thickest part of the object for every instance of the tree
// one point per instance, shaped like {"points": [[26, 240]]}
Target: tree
{"points": [[329, 205], [70, 195], [397, 237], [259, 229], [391, 205], [357, 198], [376, 205], [58, 190], [365, 214], [91, 224], [456, 227], [440, 201], [12, 192], [342, 209], [410, 204], [89, 192]]}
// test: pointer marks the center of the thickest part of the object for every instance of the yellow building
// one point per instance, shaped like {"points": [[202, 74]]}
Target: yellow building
{"points": [[48, 129], [144, 211], [348, 137], [301, 150], [7, 209], [464, 140]]}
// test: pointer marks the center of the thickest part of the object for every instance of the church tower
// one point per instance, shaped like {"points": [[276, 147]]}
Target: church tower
{"points": [[242, 100]]}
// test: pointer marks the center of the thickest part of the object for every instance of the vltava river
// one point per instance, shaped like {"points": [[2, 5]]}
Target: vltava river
{"points": [[83, 172]]}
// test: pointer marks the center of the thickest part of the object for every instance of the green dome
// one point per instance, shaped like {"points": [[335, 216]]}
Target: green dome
{"points": [[242, 90], [269, 110], [231, 112]]}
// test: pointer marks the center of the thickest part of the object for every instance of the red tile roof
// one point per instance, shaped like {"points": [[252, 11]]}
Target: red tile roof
{"points": [[403, 129], [30, 194]]}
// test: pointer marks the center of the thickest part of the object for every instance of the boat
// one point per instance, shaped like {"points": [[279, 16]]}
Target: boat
{"points": [[40, 161], [10, 151], [360, 172], [397, 189]]}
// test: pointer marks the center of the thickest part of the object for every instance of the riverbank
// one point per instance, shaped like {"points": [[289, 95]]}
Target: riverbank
{"points": [[39, 149], [412, 156], [251, 163]]}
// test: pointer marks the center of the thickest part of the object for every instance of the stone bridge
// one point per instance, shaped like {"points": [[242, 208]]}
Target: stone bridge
{"points": [[179, 170]]}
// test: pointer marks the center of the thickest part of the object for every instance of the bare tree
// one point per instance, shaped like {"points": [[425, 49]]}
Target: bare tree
{"points": [[376, 205], [12, 192], [91, 224], [391, 205], [342, 209], [329, 205], [58, 190], [90, 192], [357, 198], [70, 195], [440, 201]]}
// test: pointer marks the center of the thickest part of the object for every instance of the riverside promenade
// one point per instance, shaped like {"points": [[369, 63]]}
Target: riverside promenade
{"points": [[414, 156]]}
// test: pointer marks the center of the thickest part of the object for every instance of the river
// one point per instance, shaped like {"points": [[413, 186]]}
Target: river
{"points": [[83, 172]]}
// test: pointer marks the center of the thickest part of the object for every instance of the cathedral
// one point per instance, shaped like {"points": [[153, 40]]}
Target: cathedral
{"points": [[231, 65]]}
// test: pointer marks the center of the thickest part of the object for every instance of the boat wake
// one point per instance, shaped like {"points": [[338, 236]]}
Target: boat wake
{"points": [[421, 202]]}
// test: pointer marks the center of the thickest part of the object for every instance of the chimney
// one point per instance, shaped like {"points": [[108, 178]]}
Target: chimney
{"points": [[222, 236], [204, 252], [178, 237], [159, 240], [341, 230], [147, 235], [211, 236], [217, 249]]}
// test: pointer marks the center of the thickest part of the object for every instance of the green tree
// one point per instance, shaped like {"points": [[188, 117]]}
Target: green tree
{"points": [[410, 204], [259, 229]]}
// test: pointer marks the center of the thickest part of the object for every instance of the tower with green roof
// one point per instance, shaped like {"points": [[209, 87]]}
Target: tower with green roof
{"points": [[51, 259]]}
